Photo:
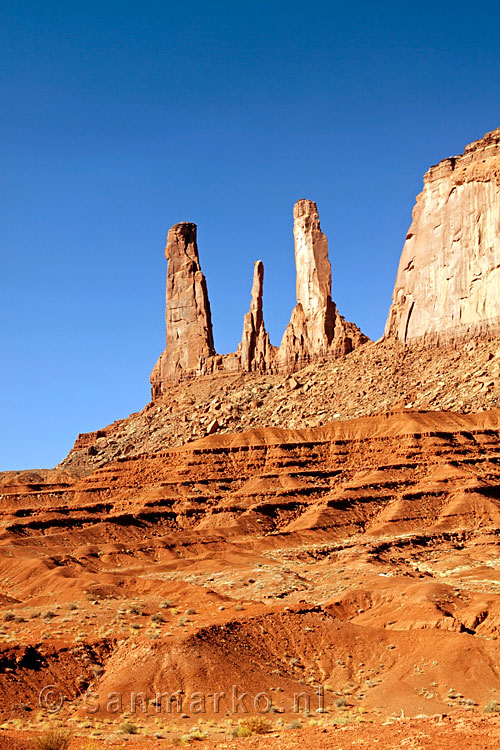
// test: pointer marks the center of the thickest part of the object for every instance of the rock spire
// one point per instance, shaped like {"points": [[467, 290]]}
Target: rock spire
{"points": [[315, 329], [255, 350], [189, 338]]}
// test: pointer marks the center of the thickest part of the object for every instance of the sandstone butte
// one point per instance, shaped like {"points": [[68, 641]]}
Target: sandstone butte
{"points": [[322, 513], [448, 282]]}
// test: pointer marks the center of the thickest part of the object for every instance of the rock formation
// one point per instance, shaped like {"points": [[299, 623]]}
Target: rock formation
{"points": [[255, 351], [448, 282], [188, 319], [315, 329]]}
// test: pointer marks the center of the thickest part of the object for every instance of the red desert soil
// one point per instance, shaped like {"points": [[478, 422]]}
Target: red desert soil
{"points": [[358, 558]]}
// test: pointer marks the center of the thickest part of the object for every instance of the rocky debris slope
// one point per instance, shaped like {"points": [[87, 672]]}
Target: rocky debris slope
{"points": [[448, 282], [372, 379], [316, 329]]}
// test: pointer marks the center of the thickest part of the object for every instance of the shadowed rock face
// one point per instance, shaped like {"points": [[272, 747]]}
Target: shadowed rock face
{"points": [[315, 329], [448, 282]]}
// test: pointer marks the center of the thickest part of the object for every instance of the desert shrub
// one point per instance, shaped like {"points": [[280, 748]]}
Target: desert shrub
{"points": [[492, 708], [72, 606], [157, 618], [253, 725], [128, 728], [167, 604], [135, 610], [194, 734], [54, 739], [294, 724], [49, 615], [190, 611], [238, 608], [341, 702], [8, 617]]}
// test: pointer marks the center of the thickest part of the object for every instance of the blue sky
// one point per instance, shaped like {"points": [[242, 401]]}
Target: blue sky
{"points": [[122, 118]]}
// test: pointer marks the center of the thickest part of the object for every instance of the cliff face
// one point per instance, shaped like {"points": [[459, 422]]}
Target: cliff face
{"points": [[448, 282], [315, 330]]}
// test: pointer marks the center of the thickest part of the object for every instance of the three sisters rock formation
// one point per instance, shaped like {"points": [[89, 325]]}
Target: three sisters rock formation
{"points": [[447, 287], [316, 329]]}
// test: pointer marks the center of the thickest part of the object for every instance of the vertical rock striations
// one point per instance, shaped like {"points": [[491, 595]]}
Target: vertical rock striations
{"points": [[315, 329], [448, 282], [189, 343]]}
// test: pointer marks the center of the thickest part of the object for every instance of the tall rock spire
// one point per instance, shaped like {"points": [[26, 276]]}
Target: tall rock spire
{"points": [[315, 329], [255, 351], [189, 336]]}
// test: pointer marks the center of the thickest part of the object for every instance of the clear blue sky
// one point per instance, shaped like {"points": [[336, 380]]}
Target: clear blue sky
{"points": [[120, 119]]}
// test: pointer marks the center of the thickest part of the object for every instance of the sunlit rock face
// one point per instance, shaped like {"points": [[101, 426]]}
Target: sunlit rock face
{"points": [[316, 329], [448, 282]]}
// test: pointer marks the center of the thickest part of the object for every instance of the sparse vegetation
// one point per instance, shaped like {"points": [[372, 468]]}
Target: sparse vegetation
{"points": [[54, 739], [128, 728], [253, 725], [492, 708]]}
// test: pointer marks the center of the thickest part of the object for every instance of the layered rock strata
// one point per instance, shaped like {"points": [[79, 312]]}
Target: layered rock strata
{"points": [[448, 282], [316, 330]]}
